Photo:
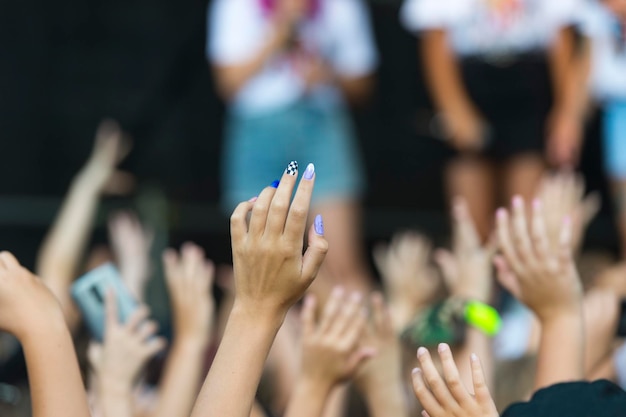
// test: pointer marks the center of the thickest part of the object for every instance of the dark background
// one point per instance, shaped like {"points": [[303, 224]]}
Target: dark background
{"points": [[65, 65]]}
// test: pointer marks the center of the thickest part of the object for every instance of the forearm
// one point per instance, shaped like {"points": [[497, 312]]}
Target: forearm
{"points": [[115, 399], [64, 245], [308, 399], [182, 377], [387, 400], [561, 350], [442, 73], [231, 384], [54, 377]]}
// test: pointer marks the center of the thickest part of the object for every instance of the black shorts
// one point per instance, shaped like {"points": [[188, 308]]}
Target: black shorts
{"points": [[515, 97]]}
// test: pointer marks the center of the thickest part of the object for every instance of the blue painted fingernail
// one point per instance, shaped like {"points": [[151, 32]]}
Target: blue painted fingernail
{"points": [[292, 168], [318, 223], [274, 184], [309, 172]]}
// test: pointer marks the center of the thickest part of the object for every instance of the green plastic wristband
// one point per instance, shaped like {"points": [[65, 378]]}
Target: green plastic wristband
{"points": [[482, 316]]}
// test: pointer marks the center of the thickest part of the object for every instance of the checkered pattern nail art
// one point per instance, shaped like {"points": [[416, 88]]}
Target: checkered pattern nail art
{"points": [[292, 168]]}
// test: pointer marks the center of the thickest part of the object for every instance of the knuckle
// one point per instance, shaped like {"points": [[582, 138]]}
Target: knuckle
{"points": [[298, 212]]}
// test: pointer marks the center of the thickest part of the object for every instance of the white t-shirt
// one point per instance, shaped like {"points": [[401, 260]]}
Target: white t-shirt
{"points": [[608, 76], [491, 27], [340, 33]]}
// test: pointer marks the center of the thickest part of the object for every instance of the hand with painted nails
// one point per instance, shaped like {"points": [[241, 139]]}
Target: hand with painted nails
{"points": [[542, 277], [447, 396], [380, 379], [126, 347], [467, 268], [331, 351], [271, 273], [563, 195], [189, 277], [131, 242], [410, 282]]}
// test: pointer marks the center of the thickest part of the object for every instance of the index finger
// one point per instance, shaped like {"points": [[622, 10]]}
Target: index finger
{"points": [[299, 210]]}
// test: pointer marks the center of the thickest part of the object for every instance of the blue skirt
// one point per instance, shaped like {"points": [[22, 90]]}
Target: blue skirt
{"points": [[259, 147]]}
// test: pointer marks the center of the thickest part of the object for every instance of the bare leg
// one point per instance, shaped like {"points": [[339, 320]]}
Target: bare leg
{"points": [[345, 263], [521, 176], [472, 178]]}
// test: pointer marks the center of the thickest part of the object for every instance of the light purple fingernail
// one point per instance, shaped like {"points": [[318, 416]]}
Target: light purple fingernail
{"points": [[292, 168], [318, 224], [309, 172]]}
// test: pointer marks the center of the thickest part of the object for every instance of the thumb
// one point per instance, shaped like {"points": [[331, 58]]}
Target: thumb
{"points": [[316, 250]]}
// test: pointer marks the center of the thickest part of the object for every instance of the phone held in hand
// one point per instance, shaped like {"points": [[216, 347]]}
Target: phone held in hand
{"points": [[89, 293]]}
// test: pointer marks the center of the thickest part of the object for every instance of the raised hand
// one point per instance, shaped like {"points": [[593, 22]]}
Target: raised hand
{"points": [[409, 280], [131, 242], [110, 148], [126, 348], [447, 396], [331, 349], [189, 277], [563, 195], [545, 279], [30, 312], [467, 268], [271, 274], [380, 379], [540, 275]]}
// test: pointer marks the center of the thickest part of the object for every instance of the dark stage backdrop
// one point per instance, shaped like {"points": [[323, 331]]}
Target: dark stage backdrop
{"points": [[65, 65]]}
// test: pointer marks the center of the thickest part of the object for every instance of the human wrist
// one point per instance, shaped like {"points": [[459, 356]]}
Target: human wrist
{"points": [[112, 386], [50, 328], [262, 317], [311, 387], [191, 343]]}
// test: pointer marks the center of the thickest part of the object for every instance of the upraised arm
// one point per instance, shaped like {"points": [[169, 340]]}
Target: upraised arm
{"points": [[544, 279], [30, 312], [64, 245], [189, 278], [271, 274], [330, 351]]}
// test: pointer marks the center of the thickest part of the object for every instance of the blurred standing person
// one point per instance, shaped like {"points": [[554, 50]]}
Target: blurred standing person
{"points": [[498, 74], [604, 23], [288, 70]]}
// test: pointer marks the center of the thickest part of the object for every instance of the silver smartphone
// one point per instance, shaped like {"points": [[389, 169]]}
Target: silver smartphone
{"points": [[89, 293]]}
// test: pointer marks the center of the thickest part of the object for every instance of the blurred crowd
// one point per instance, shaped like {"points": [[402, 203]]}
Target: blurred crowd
{"points": [[504, 319]]}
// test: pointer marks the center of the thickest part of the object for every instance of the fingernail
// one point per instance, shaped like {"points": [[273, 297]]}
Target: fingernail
{"points": [[318, 224], [356, 297], [442, 347], [416, 371], [253, 199], [292, 168], [537, 203], [473, 357], [421, 352], [337, 291], [309, 300], [275, 183], [517, 201], [309, 172], [501, 213], [567, 220]]}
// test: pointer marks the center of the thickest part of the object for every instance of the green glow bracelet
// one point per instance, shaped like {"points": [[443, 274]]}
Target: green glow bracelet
{"points": [[482, 316]]}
